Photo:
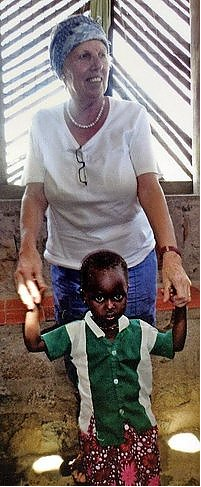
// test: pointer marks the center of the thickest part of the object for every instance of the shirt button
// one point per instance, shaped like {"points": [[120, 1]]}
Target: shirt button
{"points": [[99, 436], [114, 352], [116, 381], [121, 412]]}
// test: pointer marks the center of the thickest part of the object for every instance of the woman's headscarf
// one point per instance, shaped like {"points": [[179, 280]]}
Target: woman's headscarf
{"points": [[68, 34]]}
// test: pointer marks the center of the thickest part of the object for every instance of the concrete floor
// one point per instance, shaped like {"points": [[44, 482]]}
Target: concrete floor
{"points": [[176, 403], [38, 409]]}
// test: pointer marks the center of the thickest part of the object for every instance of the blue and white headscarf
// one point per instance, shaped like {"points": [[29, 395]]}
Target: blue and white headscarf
{"points": [[68, 34]]}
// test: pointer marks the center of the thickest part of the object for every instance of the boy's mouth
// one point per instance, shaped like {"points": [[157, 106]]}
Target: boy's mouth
{"points": [[111, 318]]}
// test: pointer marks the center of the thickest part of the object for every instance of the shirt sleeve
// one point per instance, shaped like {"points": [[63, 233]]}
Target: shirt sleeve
{"points": [[142, 153], [34, 170], [164, 344], [57, 343]]}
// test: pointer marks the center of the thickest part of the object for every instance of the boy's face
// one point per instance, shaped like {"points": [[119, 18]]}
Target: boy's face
{"points": [[107, 295]]}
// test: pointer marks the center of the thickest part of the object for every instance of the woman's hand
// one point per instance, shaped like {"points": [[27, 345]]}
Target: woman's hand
{"points": [[153, 201], [29, 280], [174, 275]]}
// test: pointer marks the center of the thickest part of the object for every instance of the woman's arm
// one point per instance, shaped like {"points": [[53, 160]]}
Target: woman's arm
{"points": [[179, 320], [32, 336], [153, 202], [28, 276]]}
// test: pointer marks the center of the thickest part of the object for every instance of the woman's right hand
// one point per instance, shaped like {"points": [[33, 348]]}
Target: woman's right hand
{"points": [[29, 280]]}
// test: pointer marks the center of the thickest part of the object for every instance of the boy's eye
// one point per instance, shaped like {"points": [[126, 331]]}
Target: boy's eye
{"points": [[118, 297], [99, 298]]}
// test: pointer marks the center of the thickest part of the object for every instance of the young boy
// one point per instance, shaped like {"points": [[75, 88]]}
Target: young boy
{"points": [[118, 431]]}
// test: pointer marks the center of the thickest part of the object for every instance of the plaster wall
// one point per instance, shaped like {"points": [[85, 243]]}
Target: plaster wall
{"points": [[184, 210], [37, 402]]}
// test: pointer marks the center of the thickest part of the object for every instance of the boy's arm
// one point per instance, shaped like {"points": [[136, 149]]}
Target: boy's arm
{"points": [[32, 335], [179, 321]]}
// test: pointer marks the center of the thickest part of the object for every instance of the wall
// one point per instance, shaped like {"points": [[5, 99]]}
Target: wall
{"points": [[37, 402], [184, 210]]}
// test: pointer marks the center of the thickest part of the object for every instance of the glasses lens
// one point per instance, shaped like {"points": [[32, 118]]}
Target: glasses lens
{"points": [[79, 156]]}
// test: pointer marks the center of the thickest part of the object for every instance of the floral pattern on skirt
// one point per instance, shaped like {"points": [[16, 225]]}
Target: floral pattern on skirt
{"points": [[134, 462]]}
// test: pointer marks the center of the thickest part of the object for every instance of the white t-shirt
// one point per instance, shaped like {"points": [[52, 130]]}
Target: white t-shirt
{"points": [[106, 213]]}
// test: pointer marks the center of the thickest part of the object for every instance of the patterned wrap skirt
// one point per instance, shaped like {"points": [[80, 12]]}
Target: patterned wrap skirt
{"points": [[135, 462]]}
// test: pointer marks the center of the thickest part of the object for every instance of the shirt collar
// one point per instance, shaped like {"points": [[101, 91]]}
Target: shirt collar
{"points": [[123, 323]]}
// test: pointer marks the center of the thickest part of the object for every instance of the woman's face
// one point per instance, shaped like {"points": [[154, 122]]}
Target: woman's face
{"points": [[86, 70], [107, 295]]}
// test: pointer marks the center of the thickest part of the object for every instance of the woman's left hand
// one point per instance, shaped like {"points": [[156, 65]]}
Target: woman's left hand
{"points": [[173, 275]]}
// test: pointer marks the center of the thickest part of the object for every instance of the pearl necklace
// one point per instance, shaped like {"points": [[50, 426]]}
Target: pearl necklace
{"points": [[81, 126]]}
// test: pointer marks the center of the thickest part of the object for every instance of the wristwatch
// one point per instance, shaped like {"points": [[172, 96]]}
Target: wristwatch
{"points": [[169, 248]]}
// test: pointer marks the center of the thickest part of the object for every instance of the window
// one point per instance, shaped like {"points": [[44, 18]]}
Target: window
{"points": [[27, 80], [151, 64], [151, 49]]}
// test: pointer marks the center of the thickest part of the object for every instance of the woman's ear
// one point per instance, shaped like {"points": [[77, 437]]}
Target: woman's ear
{"points": [[63, 78], [66, 76]]}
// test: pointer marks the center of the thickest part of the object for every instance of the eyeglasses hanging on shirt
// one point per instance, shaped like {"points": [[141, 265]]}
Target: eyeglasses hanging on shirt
{"points": [[82, 170]]}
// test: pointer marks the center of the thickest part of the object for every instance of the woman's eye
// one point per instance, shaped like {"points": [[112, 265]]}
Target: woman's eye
{"points": [[84, 55], [102, 54]]}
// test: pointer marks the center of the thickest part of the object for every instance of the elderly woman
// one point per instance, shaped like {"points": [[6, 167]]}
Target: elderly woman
{"points": [[90, 169]]}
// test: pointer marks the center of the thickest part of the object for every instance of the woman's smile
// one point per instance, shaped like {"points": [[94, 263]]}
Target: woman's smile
{"points": [[95, 79]]}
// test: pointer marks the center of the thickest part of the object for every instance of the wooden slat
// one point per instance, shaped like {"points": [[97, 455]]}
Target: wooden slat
{"points": [[126, 78], [153, 114], [178, 11], [149, 27], [32, 44], [187, 171], [38, 85], [29, 105], [5, 9], [25, 8], [177, 187], [163, 23], [26, 48], [165, 53], [159, 70], [16, 138], [35, 23], [20, 77], [125, 29]]}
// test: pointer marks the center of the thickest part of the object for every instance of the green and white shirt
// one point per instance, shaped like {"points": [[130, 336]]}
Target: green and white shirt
{"points": [[115, 377]]}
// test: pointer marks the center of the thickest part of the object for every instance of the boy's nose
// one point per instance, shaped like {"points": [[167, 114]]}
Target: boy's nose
{"points": [[110, 303]]}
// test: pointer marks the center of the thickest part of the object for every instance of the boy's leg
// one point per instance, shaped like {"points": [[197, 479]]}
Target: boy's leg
{"points": [[135, 462]]}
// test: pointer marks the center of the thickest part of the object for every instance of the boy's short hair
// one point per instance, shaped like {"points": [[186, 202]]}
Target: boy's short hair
{"points": [[101, 259]]}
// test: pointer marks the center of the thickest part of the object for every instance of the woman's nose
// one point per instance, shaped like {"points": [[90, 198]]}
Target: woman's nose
{"points": [[97, 61]]}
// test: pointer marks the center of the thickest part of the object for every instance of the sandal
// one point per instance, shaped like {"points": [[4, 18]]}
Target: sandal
{"points": [[73, 466]]}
